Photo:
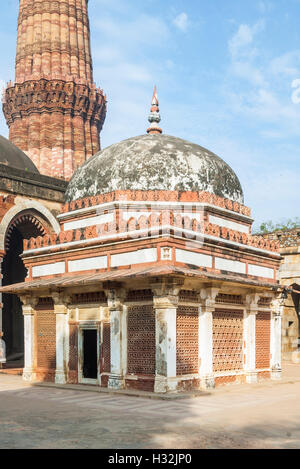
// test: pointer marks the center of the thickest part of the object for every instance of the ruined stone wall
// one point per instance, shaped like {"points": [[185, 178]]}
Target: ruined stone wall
{"points": [[289, 275]]}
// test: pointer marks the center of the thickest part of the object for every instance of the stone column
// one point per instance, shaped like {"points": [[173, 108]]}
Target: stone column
{"points": [[165, 302], [29, 303], [276, 315], [118, 334], [251, 311], [62, 337], [207, 298]]}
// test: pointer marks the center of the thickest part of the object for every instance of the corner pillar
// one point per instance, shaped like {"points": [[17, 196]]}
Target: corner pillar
{"points": [[166, 298], [118, 336], [207, 298], [62, 335], [28, 307], [276, 317]]}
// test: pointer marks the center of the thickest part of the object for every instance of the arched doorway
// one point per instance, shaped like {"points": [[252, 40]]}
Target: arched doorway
{"points": [[24, 225]]}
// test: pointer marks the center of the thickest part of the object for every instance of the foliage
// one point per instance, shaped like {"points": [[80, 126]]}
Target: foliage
{"points": [[269, 226]]}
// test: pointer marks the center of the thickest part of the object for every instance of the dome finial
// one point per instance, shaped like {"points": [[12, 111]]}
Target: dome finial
{"points": [[154, 116]]}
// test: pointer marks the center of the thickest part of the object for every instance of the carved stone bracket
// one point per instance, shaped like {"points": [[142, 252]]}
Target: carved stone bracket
{"points": [[166, 293], [251, 301], [116, 295], [61, 302], [29, 303], [207, 298], [277, 305]]}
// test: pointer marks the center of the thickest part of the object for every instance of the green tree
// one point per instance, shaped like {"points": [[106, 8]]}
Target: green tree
{"points": [[289, 224]]}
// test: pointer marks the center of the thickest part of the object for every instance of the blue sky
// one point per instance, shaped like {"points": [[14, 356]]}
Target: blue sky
{"points": [[228, 78]]}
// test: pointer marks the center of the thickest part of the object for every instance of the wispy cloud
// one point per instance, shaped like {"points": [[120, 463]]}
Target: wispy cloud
{"points": [[265, 6], [287, 64], [181, 22], [258, 91], [296, 92]]}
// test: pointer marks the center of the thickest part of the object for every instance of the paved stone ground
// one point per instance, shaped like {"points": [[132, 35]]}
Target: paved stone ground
{"points": [[264, 415]]}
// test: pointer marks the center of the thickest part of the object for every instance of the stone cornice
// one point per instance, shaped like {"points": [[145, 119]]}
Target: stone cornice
{"points": [[149, 226], [53, 7], [159, 196], [21, 182], [67, 97]]}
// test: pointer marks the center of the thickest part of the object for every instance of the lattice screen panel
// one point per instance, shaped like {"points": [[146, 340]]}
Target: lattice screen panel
{"points": [[46, 339], [227, 340], [139, 295], [262, 336], [106, 348], [141, 340], [187, 342], [73, 344], [189, 296]]}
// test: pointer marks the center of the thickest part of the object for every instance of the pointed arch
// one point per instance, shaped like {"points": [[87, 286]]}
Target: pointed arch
{"points": [[26, 206]]}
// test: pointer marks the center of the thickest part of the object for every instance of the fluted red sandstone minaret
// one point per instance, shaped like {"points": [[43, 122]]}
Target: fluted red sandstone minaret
{"points": [[54, 111]]}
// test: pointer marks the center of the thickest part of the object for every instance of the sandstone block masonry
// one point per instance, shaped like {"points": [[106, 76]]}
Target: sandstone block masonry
{"points": [[53, 109]]}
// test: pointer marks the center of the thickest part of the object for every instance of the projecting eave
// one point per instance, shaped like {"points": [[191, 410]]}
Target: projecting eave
{"points": [[129, 274]]}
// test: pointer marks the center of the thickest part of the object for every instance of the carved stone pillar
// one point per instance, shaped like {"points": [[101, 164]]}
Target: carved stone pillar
{"points": [[251, 311], [165, 302], [29, 304], [118, 337], [207, 298], [62, 337], [276, 315]]}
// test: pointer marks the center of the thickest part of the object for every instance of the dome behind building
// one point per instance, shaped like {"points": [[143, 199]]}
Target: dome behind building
{"points": [[155, 162], [11, 155]]}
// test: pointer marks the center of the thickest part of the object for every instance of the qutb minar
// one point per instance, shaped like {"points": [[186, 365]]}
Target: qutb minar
{"points": [[53, 109]]}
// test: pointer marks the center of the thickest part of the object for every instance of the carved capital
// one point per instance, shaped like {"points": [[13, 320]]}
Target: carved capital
{"points": [[277, 306], [167, 287], [116, 295], [61, 302], [207, 298], [252, 300], [29, 303], [166, 293], [165, 302]]}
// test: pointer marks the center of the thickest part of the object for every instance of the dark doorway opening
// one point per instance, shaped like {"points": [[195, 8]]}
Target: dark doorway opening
{"points": [[23, 227], [90, 353], [13, 325]]}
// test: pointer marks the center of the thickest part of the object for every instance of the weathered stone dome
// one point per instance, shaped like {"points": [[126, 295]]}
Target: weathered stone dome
{"points": [[154, 162], [11, 155]]}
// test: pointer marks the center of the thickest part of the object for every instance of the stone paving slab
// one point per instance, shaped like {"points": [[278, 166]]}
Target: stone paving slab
{"points": [[251, 416], [291, 374]]}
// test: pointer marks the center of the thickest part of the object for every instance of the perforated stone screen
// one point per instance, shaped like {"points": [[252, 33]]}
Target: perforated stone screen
{"points": [[227, 340], [187, 340], [262, 337], [141, 340], [46, 340]]}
